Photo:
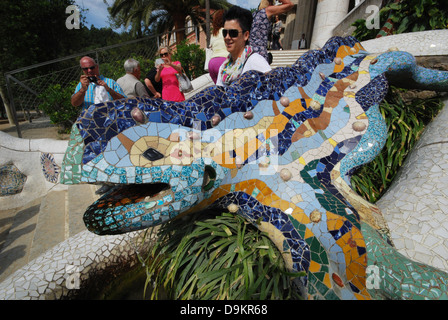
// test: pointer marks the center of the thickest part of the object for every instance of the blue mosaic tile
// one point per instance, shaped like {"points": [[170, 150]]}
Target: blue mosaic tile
{"points": [[277, 148]]}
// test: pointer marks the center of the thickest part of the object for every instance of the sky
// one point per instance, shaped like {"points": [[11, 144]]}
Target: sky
{"points": [[98, 15]]}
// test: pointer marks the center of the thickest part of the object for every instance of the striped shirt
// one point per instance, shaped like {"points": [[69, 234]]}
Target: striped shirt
{"points": [[89, 97]]}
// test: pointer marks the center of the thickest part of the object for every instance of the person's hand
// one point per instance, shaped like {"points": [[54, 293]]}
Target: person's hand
{"points": [[157, 95], [160, 67], [102, 83], [84, 82]]}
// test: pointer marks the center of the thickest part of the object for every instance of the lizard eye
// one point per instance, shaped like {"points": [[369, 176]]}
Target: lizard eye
{"points": [[152, 154]]}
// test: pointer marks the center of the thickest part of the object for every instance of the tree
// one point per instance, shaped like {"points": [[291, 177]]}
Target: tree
{"points": [[161, 15], [33, 31]]}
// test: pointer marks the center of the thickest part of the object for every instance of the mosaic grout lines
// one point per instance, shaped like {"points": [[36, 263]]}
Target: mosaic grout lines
{"points": [[277, 148]]}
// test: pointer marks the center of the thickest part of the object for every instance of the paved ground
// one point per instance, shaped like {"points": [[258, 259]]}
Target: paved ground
{"points": [[27, 232], [39, 128]]}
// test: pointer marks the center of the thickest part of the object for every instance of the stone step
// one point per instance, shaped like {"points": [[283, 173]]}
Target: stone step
{"points": [[279, 53], [285, 58]]}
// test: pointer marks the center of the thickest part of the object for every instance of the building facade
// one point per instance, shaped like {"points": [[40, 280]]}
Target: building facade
{"points": [[319, 20]]}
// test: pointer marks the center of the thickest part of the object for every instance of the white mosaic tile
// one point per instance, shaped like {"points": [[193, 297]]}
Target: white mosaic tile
{"points": [[424, 43], [415, 206]]}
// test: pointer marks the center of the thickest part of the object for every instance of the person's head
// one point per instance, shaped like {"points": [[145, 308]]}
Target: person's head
{"points": [[165, 54], [236, 30], [132, 66], [218, 22], [89, 66], [265, 3]]}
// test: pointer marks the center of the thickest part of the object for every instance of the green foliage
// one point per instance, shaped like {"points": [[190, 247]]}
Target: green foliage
{"points": [[209, 257], [407, 16], [362, 33], [33, 31], [56, 104], [192, 58], [418, 15], [405, 124], [114, 68]]}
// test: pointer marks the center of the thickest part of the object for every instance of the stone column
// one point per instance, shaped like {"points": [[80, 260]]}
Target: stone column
{"points": [[299, 21], [329, 14]]}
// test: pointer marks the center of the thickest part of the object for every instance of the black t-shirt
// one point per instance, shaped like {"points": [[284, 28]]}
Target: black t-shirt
{"points": [[157, 85]]}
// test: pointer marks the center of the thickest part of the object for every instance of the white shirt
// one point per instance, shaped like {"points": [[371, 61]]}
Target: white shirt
{"points": [[100, 94], [254, 62]]}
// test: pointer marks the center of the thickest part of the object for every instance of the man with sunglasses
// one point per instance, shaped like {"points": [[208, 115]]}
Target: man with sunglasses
{"points": [[94, 88]]}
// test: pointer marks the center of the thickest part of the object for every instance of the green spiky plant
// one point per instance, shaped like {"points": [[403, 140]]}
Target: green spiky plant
{"points": [[405, 122], [217, 257]]}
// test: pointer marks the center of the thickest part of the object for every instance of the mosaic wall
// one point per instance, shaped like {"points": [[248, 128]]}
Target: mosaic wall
{"points": [[12, 180], [50, 168], [276, 148]]}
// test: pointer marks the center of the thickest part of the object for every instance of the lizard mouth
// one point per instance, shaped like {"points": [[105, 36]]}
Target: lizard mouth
{"points": [[137, 206], [125, 206], [134, 193]]}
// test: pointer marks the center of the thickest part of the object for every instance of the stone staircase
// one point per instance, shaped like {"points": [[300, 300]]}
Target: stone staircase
{"points": [[285, 58], [30, 231]]}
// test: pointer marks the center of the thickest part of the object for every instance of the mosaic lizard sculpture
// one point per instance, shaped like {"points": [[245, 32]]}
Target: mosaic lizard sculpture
{"points": [[276, 148]]}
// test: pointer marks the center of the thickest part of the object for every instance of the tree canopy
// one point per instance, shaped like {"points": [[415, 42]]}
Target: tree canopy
{"points": [[144, 16], [34, 31]]}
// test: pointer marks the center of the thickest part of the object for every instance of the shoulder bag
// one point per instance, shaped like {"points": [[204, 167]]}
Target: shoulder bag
{"points": [[184, 83]]}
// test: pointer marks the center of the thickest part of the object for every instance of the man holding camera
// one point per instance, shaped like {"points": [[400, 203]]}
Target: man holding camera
{"points": [[102, 88], [94, 88]]}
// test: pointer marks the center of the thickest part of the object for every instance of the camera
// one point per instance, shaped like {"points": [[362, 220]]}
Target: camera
{"points": [[92, 79], [158, 62]]}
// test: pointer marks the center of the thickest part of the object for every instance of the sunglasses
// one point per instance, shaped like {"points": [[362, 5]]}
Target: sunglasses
{"points": [[233, 33], [164, 54], [89, 68]]}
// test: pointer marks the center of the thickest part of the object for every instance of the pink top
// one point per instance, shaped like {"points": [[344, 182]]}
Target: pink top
{"points": [[170, 85]]}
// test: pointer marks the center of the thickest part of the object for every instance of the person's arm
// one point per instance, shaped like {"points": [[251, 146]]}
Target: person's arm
{"points": [[78, 97], [285, 6], [176, 66], [219, 79], [158, 74], [115, 95], [151, 88]]}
